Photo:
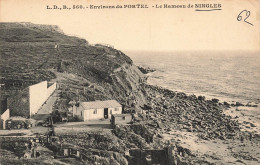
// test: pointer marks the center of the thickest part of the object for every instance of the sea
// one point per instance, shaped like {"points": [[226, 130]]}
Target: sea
{"points": [[228, 76]]}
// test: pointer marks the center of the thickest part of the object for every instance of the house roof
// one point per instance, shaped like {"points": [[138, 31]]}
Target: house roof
{"points": [[100, 104]]}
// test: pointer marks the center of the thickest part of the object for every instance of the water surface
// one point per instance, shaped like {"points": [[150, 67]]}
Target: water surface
{"points": [[232, 76]]}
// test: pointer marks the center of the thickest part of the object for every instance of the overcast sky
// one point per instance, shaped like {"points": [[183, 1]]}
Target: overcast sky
{"points": [[147, 29]]}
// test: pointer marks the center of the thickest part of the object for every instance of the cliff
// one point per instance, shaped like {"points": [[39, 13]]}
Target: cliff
{"points": [[33, 53]]}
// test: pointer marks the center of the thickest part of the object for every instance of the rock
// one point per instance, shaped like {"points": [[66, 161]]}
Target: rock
{"points": [[252, 125], [239, 104], [214, 100], [226, 103], [120, 158], [146, 70]]}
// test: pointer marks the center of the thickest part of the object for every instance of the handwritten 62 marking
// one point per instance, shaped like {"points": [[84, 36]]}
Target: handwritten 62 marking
{"points": [[239, 17]]}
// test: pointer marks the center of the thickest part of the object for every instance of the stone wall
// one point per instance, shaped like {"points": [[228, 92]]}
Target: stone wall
{"points": [[18, 103]]}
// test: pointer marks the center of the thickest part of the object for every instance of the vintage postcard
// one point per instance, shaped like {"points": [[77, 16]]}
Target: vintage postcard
{"points": [[138, 82]]}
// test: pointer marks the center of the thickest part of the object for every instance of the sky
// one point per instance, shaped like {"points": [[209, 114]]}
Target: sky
{"points": [[150, 29]]}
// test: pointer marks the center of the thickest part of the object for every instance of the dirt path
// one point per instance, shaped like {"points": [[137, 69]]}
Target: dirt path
{"points": [[77, 127], [47, 107]]}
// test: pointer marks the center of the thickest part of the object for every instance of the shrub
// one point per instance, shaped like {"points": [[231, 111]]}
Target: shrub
{"points": [[74, 119]]}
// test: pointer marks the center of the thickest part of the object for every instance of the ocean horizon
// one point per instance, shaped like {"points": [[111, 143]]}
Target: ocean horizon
{"points": [[228, 76]]}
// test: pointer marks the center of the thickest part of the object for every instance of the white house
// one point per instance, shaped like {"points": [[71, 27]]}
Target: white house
{"points": [[97, 109]]}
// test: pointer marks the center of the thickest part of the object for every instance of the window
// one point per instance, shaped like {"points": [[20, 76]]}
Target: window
{"points": [[110, 111], [123, 118], [81, 113], [116, 109], [95, 111]]}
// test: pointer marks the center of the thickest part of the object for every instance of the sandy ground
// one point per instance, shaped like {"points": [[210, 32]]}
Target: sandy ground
{"points": [[225, 151], [248, 117], [217, 151]]}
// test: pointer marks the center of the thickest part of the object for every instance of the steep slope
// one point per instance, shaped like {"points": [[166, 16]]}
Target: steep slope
{"points": [[31, 53]]}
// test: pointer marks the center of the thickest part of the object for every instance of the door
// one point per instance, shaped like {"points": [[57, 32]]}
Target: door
{"points": [[105, 113]]}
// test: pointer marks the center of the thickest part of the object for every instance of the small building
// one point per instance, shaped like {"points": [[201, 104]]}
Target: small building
{"points": [[97, 109], [162, 156], [4, 113], [27, 102], [118, 119]]}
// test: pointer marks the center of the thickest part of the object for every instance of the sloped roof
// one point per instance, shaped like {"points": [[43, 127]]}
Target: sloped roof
{"points": [[100, 104]]}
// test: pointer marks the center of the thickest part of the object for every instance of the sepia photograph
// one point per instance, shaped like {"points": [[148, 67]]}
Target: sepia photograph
{"points": [[133, 82]]}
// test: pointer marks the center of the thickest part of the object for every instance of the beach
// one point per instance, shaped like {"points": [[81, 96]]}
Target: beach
{"points": [[238, 90]]}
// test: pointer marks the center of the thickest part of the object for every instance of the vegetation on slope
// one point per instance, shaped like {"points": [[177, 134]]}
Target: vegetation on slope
{"points": [[32, 53]]}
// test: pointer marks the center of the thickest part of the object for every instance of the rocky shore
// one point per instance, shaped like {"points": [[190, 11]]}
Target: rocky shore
{"points": [[171, 110], [146, 70], [176, 117]]}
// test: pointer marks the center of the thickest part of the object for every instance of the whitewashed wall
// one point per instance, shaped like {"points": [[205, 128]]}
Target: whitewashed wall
{"points": [[89, 114], [37, 96], [4, 117]]}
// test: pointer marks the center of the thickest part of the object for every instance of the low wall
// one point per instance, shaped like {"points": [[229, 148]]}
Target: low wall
{"points": [[16, 138], [122, 120], [5, 115]]}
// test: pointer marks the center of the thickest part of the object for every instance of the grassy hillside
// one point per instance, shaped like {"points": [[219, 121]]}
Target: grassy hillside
{"points": [[32, 53]]}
